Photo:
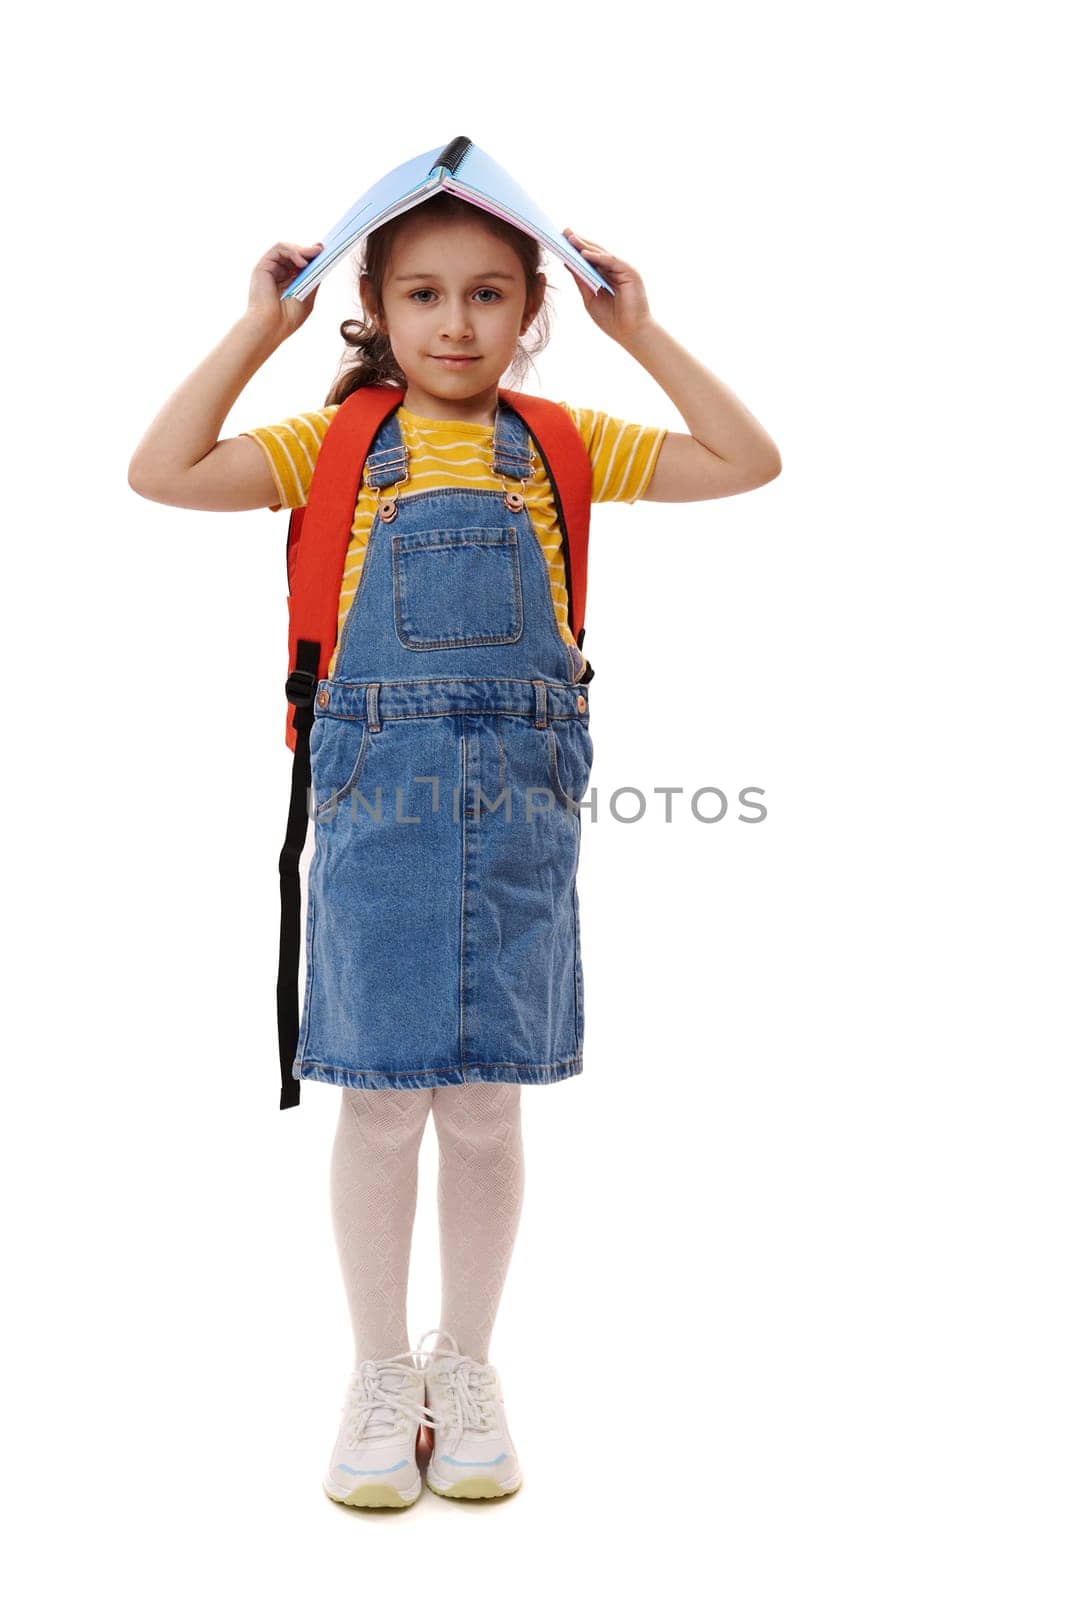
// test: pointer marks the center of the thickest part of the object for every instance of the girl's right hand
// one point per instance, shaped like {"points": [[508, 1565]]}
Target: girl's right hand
{"points": [[278, 267]]}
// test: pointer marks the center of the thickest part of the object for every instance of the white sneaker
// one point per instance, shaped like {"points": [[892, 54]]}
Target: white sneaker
{"points": [[473, 1454], [374, 1461]]}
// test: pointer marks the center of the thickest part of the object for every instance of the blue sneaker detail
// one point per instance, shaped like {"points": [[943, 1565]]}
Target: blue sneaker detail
{"points": [[455, 1462], [367, 1472]]}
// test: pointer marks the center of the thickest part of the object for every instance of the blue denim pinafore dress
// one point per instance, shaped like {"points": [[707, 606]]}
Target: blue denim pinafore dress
{"points": [[448, 752]]}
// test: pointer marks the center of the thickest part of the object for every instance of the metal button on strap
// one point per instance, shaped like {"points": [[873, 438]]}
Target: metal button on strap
{"points": [[388, 510], [581, 702], [323, 697], [513, 501]]}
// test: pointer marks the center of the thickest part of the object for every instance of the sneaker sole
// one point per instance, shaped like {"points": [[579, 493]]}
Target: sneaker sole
{"points": [[373, 1496], [473, 1489]]}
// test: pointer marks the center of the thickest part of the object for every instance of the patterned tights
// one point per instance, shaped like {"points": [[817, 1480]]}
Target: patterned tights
{"points": [[374, 1185]]}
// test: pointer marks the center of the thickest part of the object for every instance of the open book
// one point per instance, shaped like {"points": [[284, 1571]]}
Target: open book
{"points": [[464, 169]]}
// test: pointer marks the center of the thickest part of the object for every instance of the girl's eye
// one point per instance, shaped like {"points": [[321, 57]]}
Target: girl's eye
{"points": [[485, 290]]}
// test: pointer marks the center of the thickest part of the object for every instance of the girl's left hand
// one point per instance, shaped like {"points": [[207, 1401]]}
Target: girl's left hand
{"points": [[626, 311]]}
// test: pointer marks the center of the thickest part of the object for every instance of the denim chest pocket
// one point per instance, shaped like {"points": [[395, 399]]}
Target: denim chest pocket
{"points": [[457, 586]]}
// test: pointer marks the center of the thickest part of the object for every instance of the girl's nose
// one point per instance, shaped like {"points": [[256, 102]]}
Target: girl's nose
{"points": [[456, 322]]}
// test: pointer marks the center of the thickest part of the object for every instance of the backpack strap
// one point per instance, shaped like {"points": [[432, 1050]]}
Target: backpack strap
{"points": [[319, 534], [565, 458]]}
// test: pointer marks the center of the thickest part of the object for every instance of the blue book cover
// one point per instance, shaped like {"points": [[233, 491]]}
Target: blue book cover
{"points": [[464, 169]]}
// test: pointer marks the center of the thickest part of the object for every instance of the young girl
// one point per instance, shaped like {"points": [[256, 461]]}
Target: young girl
{"points": [[444, 968]]}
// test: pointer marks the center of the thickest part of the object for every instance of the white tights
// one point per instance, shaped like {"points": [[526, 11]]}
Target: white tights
{"points": [[374, 1186]]}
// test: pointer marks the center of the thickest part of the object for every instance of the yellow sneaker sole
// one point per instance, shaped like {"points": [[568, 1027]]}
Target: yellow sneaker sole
{"points": [[474, 1489], [376, 1495]]}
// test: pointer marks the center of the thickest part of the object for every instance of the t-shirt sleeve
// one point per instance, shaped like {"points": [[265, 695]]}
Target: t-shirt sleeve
{"points": [[623, 454], [291, 447]]}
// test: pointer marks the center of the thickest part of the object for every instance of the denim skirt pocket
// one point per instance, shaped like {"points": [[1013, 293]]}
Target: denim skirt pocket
{"points": [[569, 760], [337, 752], [456, 586]]}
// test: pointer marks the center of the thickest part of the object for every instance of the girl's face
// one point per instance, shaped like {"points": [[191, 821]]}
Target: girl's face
{"points": [[454, 290]]}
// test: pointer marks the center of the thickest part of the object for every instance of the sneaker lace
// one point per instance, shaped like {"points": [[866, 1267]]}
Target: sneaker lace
{"points": [[468, 1388], [376, 1404]]}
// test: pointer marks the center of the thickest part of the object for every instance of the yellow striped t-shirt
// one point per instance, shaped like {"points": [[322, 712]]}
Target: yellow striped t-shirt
{"points": [[446, 454]]}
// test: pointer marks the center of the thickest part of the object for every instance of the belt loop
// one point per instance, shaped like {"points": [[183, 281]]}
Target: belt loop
{"points": [[541, 703], [371, 707]]}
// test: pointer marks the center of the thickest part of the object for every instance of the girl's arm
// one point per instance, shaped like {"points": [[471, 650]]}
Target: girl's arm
{"points": [[727, 451], [181, 461]]}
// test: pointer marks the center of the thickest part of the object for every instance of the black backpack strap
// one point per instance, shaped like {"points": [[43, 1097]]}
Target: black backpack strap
{"points": [[589, 671], [299, 689]]}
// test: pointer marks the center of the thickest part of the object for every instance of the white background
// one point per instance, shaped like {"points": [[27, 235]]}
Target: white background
{"points": [[784, 1317]]}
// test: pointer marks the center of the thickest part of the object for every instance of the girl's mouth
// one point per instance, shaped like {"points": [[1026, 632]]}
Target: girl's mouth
{"points": [[456, 361]]}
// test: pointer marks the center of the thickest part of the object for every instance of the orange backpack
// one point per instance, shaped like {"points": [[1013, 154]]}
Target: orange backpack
{"points": [[318, 538]]}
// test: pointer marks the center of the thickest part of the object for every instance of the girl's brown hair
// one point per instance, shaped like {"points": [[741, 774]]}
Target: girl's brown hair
{"points": [[373, 361]]}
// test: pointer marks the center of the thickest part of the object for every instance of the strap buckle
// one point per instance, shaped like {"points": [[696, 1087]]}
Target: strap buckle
{"points": [[300, 686]]}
